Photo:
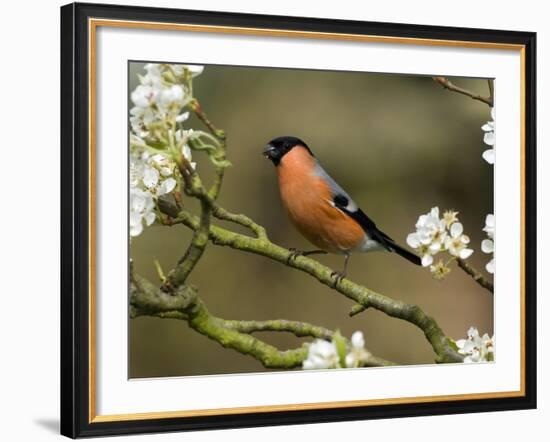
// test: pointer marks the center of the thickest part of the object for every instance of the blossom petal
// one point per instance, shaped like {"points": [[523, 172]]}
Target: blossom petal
{"points": [[167, 186], [456, 230], [465, 253], [427, 260], [473, 332], [487, 246], [150, 177], [136, 230], [490, 266], [182, 117], [150, 218], [186, 151], [357, 339], [135, 219], [195, 69], [489, 156], [489, 138], [351, 360], [412, 240]]}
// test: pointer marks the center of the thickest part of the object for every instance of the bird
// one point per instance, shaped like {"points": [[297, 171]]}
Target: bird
{"points": [[321, 210]]}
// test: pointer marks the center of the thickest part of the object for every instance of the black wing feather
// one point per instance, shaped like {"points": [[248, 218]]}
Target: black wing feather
{"points": [[368, 225]]}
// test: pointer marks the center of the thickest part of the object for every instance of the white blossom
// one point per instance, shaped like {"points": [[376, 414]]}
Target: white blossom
{"points": [[457, 242], [324, 354], [439, 270], [144, 95], [182, 136], [450, 217], [430, 235], [321, 355], [488, 244], [490, 226], [153, 76], [150, 177], [489, 138], [476, 348], [160, 102], [157, 101], [357, 353], [194, 69], [141, 210], [434, 234], [152, 173]]}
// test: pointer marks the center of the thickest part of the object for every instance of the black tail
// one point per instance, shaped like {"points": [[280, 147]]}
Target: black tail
{"points": [[375, 233], [409, 256]]}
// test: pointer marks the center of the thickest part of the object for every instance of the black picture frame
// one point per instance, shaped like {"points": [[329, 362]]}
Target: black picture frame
{"points": [[75, 196]]}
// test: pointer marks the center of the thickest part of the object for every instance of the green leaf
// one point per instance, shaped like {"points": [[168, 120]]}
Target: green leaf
{"points": [[341, 347]]}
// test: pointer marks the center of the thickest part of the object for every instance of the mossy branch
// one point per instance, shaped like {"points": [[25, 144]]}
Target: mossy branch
{"points": [[476, 275], [178, 300], [195, 188], [184, 304], [363, 296]]}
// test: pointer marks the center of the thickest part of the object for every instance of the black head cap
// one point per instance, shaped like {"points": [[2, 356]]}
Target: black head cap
{"points": [[278, 147]]}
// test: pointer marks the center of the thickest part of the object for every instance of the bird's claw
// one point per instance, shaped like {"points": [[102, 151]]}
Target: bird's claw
{"points": [[338, 276], [293, 254]]}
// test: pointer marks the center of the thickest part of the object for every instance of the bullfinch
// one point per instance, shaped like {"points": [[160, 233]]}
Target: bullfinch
{"points": [[321, 210]]}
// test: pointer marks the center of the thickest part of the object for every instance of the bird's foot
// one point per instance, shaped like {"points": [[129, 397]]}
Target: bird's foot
{"points": [[338, 276], [295, 253]]}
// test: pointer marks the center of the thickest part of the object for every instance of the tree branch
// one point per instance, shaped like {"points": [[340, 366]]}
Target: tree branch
{"points": [[297, 328], [447, 84], [194, 187], [184, 304], [477, 276], [187, 262], [219, 156], [441, 345], [243, 220]]}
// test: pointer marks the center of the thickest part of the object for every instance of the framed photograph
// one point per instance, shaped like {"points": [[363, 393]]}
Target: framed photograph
{"points": [[279, 220]]}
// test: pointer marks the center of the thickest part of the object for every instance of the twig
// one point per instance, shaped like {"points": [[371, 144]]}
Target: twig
{"points": [[476, 275], [168, 205], [220, 155], [447, 84], [356, 309], [361, 295], [194, 187], [201, 115], [243, 220], [491, 86], [147, 300], [186, 264], [297, 328]]}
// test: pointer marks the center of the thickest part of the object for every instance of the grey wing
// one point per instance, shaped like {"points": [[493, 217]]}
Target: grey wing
{"points": [[337, 191], [344, 202]]}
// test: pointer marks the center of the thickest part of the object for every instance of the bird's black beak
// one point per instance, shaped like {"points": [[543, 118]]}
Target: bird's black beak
{"points": [[269, 152]]}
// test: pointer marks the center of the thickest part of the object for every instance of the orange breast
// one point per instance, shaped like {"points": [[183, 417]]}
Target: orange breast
{"points": [[306, 197]]}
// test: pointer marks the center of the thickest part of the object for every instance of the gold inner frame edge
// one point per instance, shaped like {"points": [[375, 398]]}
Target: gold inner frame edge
{"points": [[93, 24]]}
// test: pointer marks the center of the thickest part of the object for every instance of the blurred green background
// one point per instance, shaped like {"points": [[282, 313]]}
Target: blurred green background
{"points": [[399, 144]]}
